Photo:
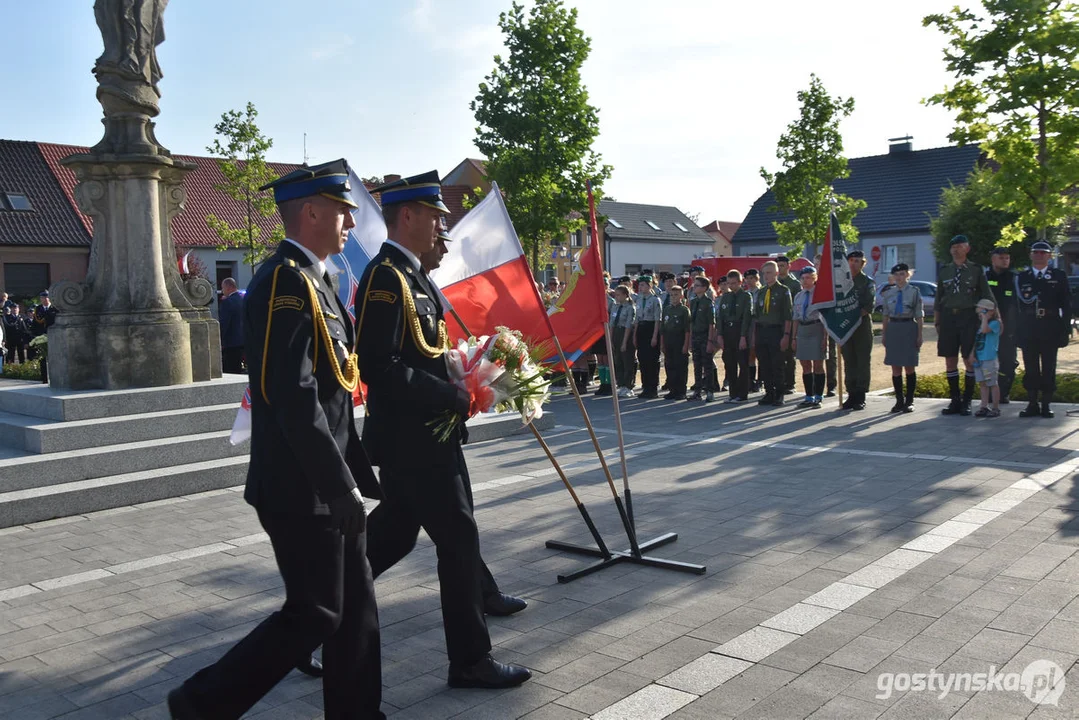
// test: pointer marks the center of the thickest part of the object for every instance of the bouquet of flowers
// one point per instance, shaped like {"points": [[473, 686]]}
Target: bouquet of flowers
{"points": [[499, 372]]}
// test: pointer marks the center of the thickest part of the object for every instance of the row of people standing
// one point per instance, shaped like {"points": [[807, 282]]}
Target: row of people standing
{"points": [[19, 327]]}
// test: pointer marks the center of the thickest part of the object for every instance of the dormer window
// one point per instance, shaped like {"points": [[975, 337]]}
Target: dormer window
{"points": [[14, 201], [652, 225]]}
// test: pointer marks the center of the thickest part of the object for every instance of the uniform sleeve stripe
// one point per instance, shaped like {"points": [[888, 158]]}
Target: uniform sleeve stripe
{"points": [[266, 341]]}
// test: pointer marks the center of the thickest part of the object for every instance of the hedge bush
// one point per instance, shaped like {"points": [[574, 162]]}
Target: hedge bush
{"points": [[30, 370], [936, 386]]}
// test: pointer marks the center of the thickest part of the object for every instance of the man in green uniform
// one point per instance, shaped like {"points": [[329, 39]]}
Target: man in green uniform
{"points": [[791, 283], [675, 344], [773, 315], [733, 321], [960, 285], [703, 329], [859, 346]]}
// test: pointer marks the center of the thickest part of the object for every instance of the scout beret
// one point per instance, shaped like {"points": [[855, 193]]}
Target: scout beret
{"points": [[1000, 250], [959, 240], [900, 267], [855, 254], [807, 270]]}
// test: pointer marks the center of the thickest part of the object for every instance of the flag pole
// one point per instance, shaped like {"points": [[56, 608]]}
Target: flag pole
{"points": [[618, 425], [604, 552]]}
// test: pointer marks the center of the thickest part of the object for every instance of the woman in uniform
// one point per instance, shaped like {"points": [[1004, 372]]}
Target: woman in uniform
{"points": [[810, 340], [901, 335]]}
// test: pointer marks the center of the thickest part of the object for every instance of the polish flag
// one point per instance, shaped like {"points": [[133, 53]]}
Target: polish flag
{"points": [[486, 279]]}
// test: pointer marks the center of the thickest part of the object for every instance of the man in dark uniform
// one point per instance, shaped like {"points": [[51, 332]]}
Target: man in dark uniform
{"points": [[773, 313], [790, 365], [402, 341], [44, 314], [230, 310], [960, 285], [1001, 280], [858, 349], [734, 318], [675, 343], [307, 472], [1045, 322]]}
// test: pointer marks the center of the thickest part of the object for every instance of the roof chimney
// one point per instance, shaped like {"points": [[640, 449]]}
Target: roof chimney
{"points": [[900, 144], [391, 178]]}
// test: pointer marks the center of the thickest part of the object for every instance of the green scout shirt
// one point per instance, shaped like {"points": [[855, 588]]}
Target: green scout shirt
{"points": [[960, 287], [791, 283], [702, 317], [863, 290], [735, 307], [779, 304], [675, 324]]}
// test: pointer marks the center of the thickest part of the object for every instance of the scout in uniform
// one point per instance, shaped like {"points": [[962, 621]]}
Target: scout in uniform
{"points": [[960, 285], [901, 334], [795, 286], [1001, 280], [733, 322], [1045, 314], [625, 360], [402, 342], [676, 337], [702, 322], [752, 285], [649, 312], [810, 340], [858, 349], [307, 471], [773, 316]]}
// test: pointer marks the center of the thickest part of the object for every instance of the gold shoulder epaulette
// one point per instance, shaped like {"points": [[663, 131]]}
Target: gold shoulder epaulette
{"points": [[387, 262], [290, 262]]}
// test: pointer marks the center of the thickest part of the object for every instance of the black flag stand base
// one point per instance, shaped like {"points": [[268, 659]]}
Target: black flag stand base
{"points": [[609, 559]]}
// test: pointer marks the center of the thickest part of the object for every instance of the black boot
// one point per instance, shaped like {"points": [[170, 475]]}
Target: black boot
{"points": [[1032, 409], [859, 401], [897, 383], [912, 382], [956, 405], [1046, 412], [807, 381], [969, 383]]}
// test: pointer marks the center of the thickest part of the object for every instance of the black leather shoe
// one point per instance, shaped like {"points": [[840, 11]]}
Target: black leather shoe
{"points": [[955, 407], [964, 409], [501, 604], [1046, 412], [1031, 410], [180, 707], [311, 666], [487, 673]]}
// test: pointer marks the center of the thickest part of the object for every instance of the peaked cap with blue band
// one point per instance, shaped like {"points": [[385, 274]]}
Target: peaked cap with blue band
{"points": [[330, 180], [425, 189]]}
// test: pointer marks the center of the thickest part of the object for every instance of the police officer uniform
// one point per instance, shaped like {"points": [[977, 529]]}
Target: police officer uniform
{"points": [[789, 362], [649, 313], [959, 288], [858, 349], [1044, 326], [734, 318], [306, 474], [1002, 285], [675, 358], [773, 316], [402, 340]]}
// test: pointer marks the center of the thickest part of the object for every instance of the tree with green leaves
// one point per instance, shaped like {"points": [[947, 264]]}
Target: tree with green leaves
{"points": [[962, 211], [1017, 95], [536, 126], [240, 150], [811, 152]]}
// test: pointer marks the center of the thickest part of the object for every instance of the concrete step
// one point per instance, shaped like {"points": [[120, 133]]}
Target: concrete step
{"points": [[43, 436], [75, 498], [31, 470], [41, 401]]}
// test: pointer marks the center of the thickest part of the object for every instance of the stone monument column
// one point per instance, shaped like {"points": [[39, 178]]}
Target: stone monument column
{"points": [[133, 322]]}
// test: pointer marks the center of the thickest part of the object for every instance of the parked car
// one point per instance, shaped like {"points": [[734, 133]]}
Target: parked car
{"points": [[926, 288]]}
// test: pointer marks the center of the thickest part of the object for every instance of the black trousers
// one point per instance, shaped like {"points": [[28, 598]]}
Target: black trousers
{"points": [[789, 367], [648, 357], [232, 360], [1006, 356], [703, 364], [438, 499], [735, 363], [16, 350], [830, 364], [1040, 365], [676, 363], [770, 358], [329, 601]]}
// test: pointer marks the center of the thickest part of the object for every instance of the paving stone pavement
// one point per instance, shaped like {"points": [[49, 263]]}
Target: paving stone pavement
{"points": [[844, 553]]}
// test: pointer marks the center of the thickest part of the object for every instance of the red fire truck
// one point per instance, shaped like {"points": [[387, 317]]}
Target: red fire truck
{"points": [[717, 266]]}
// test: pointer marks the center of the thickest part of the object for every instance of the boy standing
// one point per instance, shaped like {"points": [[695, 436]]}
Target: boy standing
{"points": [[733, 321], [625, 362], [676, 339], [703, 328]]}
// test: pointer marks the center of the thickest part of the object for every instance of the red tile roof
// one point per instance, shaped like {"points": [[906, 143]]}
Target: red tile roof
{"points": [[52, 220], [189, 228], [724, 228]]}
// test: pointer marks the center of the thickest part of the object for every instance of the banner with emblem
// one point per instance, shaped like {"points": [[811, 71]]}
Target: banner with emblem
{"points": [[834, 295]]}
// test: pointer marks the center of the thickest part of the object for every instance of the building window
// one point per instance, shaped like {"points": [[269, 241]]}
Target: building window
{"points": [[614, 222], [681, 227], [14, 201], [652, 225], [895, 254], [25, 280]]}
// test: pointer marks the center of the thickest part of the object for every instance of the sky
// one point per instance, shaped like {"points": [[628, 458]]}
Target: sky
{"points": [[692, 94]]}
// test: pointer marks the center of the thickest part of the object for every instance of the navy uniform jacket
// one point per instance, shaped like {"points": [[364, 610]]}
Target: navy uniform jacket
{"points": [[304, 447], [44, 318], [399, 320], [230, 312], [1044, 307]]}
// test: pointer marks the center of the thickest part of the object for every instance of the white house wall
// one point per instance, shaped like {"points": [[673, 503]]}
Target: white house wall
{"points": [[650, 255]]}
